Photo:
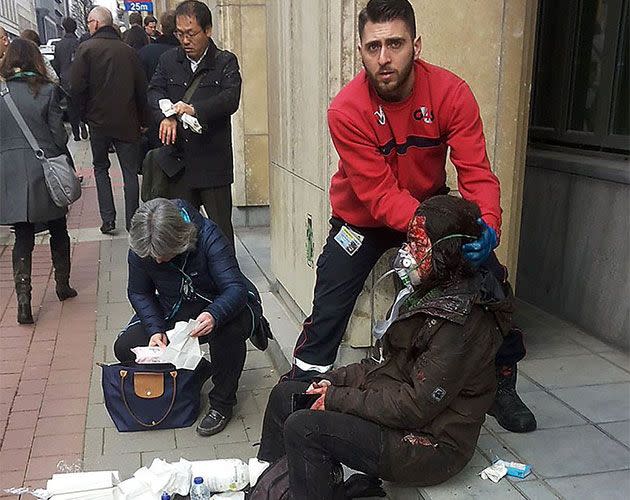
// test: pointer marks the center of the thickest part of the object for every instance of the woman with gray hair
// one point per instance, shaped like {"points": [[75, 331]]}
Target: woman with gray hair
{"points": [[182, 267]]}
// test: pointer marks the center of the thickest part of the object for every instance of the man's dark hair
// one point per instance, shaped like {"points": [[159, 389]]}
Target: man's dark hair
{"points": [[167, 20], [135, 18], [382, 11], [198, 10], [446, 215], [149, 19], [69, 25]]}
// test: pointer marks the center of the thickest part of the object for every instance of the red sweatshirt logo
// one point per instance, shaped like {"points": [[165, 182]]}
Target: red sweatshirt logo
{"points": [[380, 115], [423, 113]]}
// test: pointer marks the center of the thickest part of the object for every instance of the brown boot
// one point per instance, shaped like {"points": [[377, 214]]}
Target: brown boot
{"points": [[22, 280], [60, 253]]}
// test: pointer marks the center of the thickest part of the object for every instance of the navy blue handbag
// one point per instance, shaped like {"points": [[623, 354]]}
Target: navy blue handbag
{"points": [[148, 397]]}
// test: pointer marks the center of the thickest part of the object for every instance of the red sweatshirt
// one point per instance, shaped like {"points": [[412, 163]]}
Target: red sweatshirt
{"points": [[393, 155]]}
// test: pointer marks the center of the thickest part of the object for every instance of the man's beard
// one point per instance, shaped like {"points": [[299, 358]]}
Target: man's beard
{"points": [[389, 92]]}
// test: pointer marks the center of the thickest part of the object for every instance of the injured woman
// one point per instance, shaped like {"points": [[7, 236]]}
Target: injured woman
{"points": [[415, 417]]}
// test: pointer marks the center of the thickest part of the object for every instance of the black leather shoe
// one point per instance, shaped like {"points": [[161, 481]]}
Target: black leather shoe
{"points": [[508, 408], [108, 227], [213, 423]]}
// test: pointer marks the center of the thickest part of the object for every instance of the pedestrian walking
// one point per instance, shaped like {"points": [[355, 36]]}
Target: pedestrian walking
{"points": [[62, 63], [109, 87], [150, 28], [25, 200], [34, 37], [393, 126], [209, 172], [135, 36]]}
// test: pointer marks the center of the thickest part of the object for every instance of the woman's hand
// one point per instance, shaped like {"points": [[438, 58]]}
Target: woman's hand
{"points": [[158, 340], [321, 388], [168, 130], [206, 325]]}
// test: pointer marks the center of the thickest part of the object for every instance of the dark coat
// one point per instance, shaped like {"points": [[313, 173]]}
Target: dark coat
{"points": [[109, 87], [136, 37], [207, 156], [437, 382], [64, 54], [23, 193], [150, 54], [212, 266]]}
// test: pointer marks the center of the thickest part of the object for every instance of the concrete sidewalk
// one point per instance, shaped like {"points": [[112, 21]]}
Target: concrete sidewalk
{"points": [[51, 405]]}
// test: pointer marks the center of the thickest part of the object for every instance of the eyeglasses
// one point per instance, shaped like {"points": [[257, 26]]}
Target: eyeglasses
{"points": [[91, 21], [181, 36]]}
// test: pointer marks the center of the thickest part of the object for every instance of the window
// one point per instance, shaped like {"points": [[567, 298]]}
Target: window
{"points": [[580, 92]]}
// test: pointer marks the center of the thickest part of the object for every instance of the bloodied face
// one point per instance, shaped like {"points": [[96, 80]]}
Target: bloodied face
{"points": [[419, 246]]}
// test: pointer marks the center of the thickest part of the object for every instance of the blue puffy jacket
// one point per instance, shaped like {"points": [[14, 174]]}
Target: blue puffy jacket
{"points": [[212, 267]]}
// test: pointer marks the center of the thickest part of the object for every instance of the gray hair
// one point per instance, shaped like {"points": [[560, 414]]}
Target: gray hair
{"points": [[158, 230], [102, 15]]}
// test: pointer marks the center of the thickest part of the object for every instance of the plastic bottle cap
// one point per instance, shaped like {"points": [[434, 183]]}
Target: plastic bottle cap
{"points": [[198, 480], [166, 496]]}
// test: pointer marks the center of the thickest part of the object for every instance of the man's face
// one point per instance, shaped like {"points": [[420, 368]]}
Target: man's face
{"points": [[193, 39], [387, 52], [4, 42], [150, 28], [92, 24]]}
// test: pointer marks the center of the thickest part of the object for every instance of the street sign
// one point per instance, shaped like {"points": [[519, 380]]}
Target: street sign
{"points": [[139, 7]]}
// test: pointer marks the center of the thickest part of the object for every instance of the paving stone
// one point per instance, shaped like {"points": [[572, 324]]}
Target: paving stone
{"points": [[468, 484], [257, 359], [573, 371], [17, 439], [191, 454], [262, 397], [492, 449], [244, 451], [44, 467], [127, 442], [93, 443], [548, 410], [609, 486], [398, 492], [57, 445], [259, 378], [541, 344], [97, 416], [599, 403], [568, 451], [253, 426], [125, 463], [536, 490], [234, 432], [246, 403], [619, 358], [23, 419], [13, 460], [619, 430], [67, 424]]}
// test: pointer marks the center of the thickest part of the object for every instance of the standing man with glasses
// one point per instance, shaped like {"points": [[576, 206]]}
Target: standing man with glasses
{"points": [[109, 87], [209, 171]]}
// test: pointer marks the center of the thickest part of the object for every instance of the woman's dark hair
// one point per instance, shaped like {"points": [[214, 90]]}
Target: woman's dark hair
{"points": [[24, 55], [32, 36], [446, 215], [382, 11], [198, 10]]}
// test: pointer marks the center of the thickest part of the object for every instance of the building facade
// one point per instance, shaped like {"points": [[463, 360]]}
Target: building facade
{"points": [[17, 15], [49, 14]]}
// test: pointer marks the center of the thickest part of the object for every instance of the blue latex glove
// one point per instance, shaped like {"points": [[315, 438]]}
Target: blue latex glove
{"points": [[478, 251]]}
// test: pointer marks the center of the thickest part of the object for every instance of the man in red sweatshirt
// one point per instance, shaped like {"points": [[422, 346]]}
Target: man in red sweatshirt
{"points": [[392, 126]]}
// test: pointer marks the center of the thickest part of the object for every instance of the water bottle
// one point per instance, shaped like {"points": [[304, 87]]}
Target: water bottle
{"points": [[199, 490]]}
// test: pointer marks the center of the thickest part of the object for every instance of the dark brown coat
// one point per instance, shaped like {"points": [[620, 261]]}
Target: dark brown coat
{"points": [[431, 393], [109, 86]]}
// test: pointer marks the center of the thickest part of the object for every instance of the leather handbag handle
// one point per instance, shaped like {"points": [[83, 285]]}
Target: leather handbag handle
{"points": [[123, 375]]}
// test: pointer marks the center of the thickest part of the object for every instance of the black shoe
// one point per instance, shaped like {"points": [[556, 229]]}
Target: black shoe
{"points": [[508, 408], [213, 423], [24, 313], [108, 227], [84, 131]]}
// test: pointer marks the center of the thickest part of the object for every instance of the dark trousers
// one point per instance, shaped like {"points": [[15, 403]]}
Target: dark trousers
{"points": [[217, 202], [74, 117], [25, 236], [129, 158], [339, 281], [227, 351], [316, 443]]}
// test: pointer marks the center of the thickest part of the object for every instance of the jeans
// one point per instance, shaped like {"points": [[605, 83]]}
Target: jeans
{"points": [[227, 351], [316, 443], [129, 158]]}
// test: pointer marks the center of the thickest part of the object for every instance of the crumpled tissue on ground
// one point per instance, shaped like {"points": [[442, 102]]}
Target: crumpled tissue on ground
{"points": [[166, 105], [182, 350], [502, 468], [164, 476]]}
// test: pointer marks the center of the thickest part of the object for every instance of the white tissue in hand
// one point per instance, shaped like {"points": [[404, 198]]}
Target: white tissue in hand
{"points": [[148, 355], [166, 106], [183, 350], [192, 122]]}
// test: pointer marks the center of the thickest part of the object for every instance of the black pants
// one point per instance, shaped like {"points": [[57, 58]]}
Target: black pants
{"points": [[339, 281], [227, 351], [129, 158], [217, 201], [316, 443], [25, 236], [74, 117]]}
